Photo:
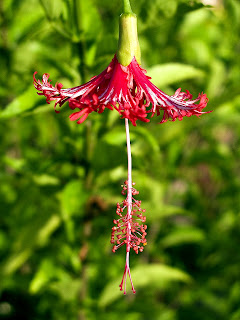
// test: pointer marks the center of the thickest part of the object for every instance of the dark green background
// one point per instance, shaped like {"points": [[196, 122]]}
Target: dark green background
{"points": [[59, 181]]}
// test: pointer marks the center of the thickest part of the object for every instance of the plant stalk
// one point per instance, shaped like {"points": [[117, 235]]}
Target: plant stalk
{"points": [[127, 6]]}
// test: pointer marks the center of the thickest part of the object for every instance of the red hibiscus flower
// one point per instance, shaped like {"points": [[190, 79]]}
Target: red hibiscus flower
{"points": [[126, 89]]}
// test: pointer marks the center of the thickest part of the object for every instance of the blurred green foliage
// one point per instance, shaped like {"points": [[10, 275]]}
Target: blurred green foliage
{"points": [[60, 181]]}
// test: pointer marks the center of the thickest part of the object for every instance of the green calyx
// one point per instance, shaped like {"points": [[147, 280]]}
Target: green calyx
{"points": [[128, 45]]}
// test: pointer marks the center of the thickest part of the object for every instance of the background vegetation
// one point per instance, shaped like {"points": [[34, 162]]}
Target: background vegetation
{"points": [[60, 181]]}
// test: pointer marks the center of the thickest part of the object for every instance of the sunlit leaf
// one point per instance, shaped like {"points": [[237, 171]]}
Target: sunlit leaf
{"points": [[14, 163], [182, 236], [163, 75], [72, 198], [45, 179], [58, 280], [67, 289], [117, 136], [46, 271], [24, 102], [216, 79]]}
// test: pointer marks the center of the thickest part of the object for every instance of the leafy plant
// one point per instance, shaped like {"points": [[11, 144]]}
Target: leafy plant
{"points": [[60, 182]]}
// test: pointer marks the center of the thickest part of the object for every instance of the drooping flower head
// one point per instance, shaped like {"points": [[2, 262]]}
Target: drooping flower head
{"points": [[125, 87]]}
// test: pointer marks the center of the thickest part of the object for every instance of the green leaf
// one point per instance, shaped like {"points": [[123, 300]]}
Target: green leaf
{"points": [[41, 109], [14, 163], [87, 13], [56, 278], [167, 7], [45, 180], [46, 271], [107, 177], [145, 134], [151, 194], [166, 74], [19, 105], [53, 8], [72, 198], [36, 234], [117, 136], [163, 210], [228, 112], [67, 289], [182, 236], [27, 19], [216, 78], [158, 276]]}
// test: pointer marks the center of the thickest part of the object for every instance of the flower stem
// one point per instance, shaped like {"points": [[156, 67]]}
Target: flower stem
{"points": [[127, 7]]}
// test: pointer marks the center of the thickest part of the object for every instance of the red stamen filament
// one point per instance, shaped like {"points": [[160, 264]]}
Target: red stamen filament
{"points": [[127, 229]]}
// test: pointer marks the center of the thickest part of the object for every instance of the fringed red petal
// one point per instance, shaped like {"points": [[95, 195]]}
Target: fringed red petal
{"points": [[126, 89]]}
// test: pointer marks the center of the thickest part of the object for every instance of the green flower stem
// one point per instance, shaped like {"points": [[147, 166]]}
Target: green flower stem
{"points": [[127, 6]]}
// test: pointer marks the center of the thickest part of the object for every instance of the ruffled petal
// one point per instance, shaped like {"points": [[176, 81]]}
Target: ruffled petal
{"points": [[126, 89], [174, 107]]}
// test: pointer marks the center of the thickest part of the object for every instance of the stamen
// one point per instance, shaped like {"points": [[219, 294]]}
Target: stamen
{"points": [[129, 230]]}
